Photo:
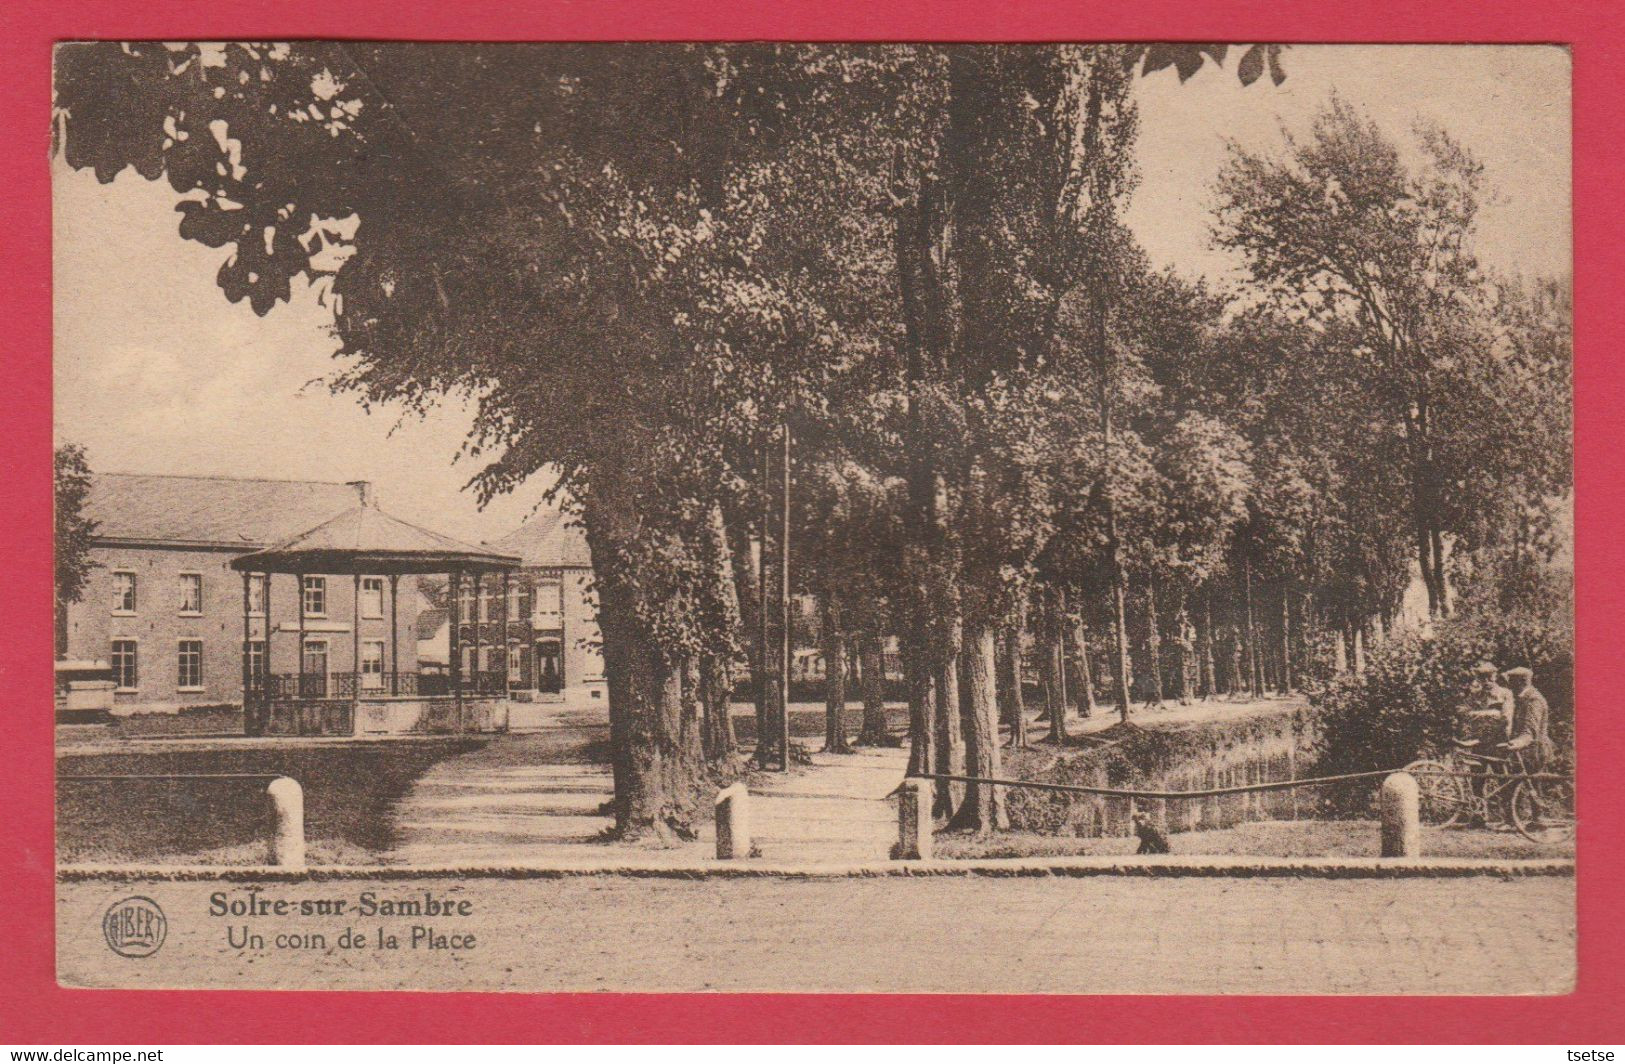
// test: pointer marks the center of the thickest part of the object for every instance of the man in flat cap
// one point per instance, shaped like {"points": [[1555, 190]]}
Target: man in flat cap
{"points": [[1485, 725], [1530, 739], [1488, 718]]}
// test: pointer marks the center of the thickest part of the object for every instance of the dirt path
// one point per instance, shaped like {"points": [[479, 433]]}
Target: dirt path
{"points": [[523, 796], [836, 810], [538, 796]]}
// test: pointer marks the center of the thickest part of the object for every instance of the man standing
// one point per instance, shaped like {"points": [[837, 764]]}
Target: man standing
{"points": [[1485, 724], [1488, 716], [1530, 738]]}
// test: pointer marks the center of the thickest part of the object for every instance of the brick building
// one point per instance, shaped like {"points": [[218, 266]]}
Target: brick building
{"points": [[164, 610], [561, 657]]}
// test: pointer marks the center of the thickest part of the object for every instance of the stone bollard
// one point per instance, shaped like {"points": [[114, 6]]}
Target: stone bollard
{"points": [[733, 823], [288, 822], [1400, 804], [914, 821]]}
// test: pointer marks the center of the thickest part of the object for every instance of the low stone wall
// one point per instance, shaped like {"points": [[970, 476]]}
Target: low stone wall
{"points": [[308, 717], [432, 716], [1260, 748], [404, 715]]}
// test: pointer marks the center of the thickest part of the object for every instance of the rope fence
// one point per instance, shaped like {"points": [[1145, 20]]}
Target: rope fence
{"points": [[172, 776]]}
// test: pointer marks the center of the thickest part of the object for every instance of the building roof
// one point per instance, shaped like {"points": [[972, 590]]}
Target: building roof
{"points": [[237, 512], [549, 540], [364, 539], [430, 621]]}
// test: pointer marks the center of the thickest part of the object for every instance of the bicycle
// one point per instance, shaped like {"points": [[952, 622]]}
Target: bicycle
{"points": [[1539, 806]]}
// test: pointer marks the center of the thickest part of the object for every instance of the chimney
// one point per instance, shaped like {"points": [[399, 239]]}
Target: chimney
{"points": [[363, 488]]}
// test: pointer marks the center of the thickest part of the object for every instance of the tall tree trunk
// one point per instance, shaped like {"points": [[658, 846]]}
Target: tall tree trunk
{"points": [[773, 683], [950, 741], [1209, 680], [1440, 573], [1238, 678], [834, 640], [872, 672], [657, 759], [922, 234], [1153, 640], [658, 774], [1084, 694], [982, 810], [747, 593], [1255, 661], [1012, 709], [1286, 636], [1114, 563], [921, 709], [1042, 646], [721, 742], [1055, 655], [714, 680], [1187, 652]]}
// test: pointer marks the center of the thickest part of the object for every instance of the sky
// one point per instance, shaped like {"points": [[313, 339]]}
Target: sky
{"points": [[155, 372]]}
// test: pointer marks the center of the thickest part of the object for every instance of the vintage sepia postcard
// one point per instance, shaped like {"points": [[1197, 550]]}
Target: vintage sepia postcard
{"points": [[1086, 518]]}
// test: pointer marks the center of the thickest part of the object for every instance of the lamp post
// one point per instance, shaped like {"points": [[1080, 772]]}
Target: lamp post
{"points": [[787, 640]]}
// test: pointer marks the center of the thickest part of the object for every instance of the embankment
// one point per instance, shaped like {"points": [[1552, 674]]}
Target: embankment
{"points": [[1262, 747]]}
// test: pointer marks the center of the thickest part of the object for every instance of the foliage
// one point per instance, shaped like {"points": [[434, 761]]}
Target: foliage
{"points": [[643, 262], [74, 530], [1377, 251], [1405, 704]]}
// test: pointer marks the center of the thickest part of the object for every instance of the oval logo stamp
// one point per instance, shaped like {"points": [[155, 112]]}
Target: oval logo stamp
{"points": [[134, 927]]}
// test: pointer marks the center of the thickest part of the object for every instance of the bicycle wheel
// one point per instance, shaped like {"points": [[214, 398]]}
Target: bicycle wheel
{"points": [[1543, 810], [1444, 799]]}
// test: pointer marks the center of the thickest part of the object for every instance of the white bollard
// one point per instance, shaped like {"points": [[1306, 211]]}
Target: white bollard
{"points": [[288, 822], [1399, 802], [733, 823], [914, 821]]}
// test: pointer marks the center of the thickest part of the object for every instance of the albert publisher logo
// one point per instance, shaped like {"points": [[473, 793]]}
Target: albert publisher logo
{"points": [[135, 927]]}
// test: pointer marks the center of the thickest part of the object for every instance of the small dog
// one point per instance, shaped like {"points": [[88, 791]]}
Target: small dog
{"points": [[1152, 838]]}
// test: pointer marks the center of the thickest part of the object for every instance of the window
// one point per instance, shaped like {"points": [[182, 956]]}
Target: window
{"points": [[549, 666], [315, 596], [484, 596], [125, 673], [255, 654], [465, 602], [315, 660], [256, 595], [518, 602], [192, 593], [372, 665], [189, 675], [516, 662], [372, 596], [123, 592], [549, 596]]}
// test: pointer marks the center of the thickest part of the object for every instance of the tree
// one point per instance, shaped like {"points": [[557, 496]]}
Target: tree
{"points": [[1343, 225], [74, 532], [645, 262]]}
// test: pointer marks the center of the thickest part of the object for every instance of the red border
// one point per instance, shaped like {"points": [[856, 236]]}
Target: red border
{"points": [[33, 1008]]}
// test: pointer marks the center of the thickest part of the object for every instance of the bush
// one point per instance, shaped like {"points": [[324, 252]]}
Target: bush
{"points": [[1404, 706]]}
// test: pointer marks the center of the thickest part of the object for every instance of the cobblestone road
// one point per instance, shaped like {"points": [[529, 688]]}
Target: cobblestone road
{"points": [[1476, 935]]}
